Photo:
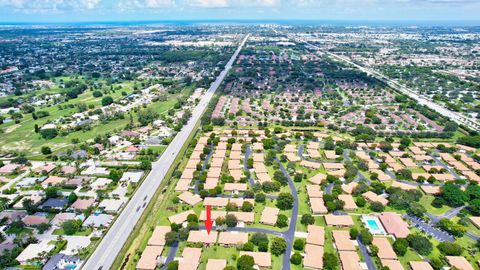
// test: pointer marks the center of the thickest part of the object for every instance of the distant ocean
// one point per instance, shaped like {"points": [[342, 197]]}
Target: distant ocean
{"points": [[370, 23]]}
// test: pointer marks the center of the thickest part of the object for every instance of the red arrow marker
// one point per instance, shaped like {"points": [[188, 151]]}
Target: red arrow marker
{"points": [[208, 221]]}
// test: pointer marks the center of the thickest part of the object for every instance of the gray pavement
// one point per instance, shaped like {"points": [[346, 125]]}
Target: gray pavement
{"points": [[289, 234], [113, 241], [430, 229], [368, 258], [171, 254], [248, 152]]}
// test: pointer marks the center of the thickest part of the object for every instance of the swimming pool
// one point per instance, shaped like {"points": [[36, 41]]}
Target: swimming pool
{"points": [[373, 225]]}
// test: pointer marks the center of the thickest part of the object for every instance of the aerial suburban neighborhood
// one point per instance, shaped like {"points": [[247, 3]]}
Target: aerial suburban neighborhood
{"points": [[239, 146]]}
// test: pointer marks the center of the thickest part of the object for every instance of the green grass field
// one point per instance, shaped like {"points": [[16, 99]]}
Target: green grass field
{"points": [[22, 138]]}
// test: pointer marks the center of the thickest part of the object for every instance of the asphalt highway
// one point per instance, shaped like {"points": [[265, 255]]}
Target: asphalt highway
{"points": [[111, 244]]}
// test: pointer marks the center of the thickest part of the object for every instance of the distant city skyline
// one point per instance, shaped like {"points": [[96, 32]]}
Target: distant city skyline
{"points": [[157, 10]]}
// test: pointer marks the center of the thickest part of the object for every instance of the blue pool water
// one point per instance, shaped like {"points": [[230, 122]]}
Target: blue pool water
{"points": [[373, 224]]}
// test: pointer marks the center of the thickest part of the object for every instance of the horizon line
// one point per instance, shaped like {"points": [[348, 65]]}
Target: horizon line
{"points": [[443, 21]]}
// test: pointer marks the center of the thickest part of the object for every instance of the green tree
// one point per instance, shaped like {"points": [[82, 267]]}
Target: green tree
{"points": [[107, 100], [450, 249], [299, 244], [278, 246], [330, 261], [282, 221], [97, 94], [247, 206], [170, 238], [173, 265], [474, 207], [147, 116], [455, 229], [70, 227], [420, 244], [353, 233], [307, 219], [115, 175], [46, 150], [72, 197], [231, 220], [51, 192], [400, 246], [285, 201], [296, 258], [366, 236], [450, 126], [258, 238], [245, 262], [249, 246], [29, 206], [377, 207], [48, 133], [453, 195]]}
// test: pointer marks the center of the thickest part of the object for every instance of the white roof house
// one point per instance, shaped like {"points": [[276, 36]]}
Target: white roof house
{"points": [[27, 181], [33, 250], [101, 220], [111, 205], [100, 183], [93, 170], [49, 126], [132, 176], [114, 139]]}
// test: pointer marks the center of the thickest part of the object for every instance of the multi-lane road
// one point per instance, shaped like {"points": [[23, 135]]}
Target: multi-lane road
{"points": [[454, 116], [111, 244]]}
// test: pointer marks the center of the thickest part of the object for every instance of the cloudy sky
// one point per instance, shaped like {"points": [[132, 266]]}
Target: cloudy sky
{"points": [[141, 10]]}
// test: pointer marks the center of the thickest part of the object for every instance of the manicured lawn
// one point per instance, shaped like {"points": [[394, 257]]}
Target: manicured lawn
{"points": [[219, 252], [408, 257], [22, 137], [426, 201]]}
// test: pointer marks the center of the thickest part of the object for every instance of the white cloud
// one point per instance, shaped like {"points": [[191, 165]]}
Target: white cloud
{"points": [[49, 5], [232, 3], [130, 5], [209, 3]]}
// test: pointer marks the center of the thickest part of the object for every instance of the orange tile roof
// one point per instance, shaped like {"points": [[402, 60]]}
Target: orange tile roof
{"points": [[316, 235], [385, 250], [339, 220], [313, 257], [262, 259], [394, 224], [342, 240]]}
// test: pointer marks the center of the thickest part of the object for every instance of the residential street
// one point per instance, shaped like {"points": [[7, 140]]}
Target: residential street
{"points": [[117, 235]]}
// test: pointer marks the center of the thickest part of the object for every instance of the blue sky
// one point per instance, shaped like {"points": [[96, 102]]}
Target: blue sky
{"points": [[140, 10]]}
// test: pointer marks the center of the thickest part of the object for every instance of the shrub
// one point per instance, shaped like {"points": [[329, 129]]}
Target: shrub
{"points": [[353, 233], [282, 221], [450, 249], [299, 244], [245, 262], [400, 246], [330, 261], [307, 219], [296, 259]]}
